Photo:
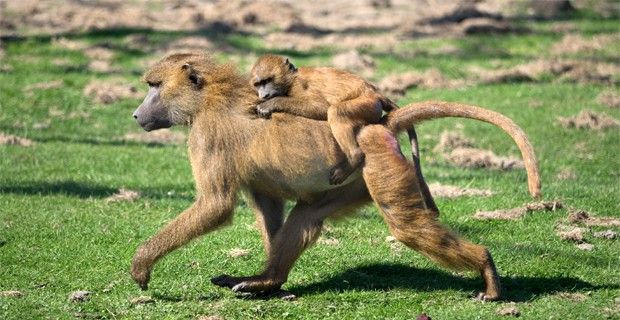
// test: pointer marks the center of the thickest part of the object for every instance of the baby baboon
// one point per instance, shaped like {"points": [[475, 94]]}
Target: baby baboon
{"points": [[402, 205], [344, 99], [282, 159]]}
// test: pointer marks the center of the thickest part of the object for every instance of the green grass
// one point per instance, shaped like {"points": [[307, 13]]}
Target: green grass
{"points": [[58, 235]]}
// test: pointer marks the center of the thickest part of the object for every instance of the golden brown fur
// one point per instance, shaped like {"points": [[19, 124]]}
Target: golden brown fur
{"points": [[344, 99], [402, 205], [285, 157]]}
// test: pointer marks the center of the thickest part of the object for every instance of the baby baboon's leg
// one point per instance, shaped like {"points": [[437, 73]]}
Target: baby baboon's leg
{"points": [[345, 119], [394, 186], [301, 229], [203, 216], [269, 215]]}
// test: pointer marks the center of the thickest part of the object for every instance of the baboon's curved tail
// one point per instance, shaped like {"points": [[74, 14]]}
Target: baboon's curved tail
{"points": [[403, 118]]}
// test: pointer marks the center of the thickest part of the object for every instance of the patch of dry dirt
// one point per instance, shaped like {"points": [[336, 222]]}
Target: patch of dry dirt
{"points": [[355, 62], [79, 296], [8, 139], [587, 119], [573, 296], [329, 241], [445, 191], [583, 217], [458, 150], [575, 43], [123, 195], [238, 253], [141, 300], [11, 293], [610, 98], [516, 213], [585, 246], [107, 92], [395, 85], [566, 70], [607, 234], [161, 136], [509, 309], [571, 233], [479, 158], [44, 85]]}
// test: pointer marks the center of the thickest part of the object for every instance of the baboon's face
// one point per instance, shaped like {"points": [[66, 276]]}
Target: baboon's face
{"points": [[272, 76], [152, 114], [172, 86]]}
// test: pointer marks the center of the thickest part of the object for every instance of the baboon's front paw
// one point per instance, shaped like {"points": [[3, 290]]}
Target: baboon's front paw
{"points": [[141, 276], [484, 297], [264, 110], [225, 281]]}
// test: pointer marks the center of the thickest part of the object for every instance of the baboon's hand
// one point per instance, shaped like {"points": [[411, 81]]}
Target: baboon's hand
{"points": [[141, 270], [265, 109]]}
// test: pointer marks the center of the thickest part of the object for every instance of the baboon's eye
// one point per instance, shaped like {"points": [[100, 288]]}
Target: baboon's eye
{"points": [[263, 82], [154, 83]]}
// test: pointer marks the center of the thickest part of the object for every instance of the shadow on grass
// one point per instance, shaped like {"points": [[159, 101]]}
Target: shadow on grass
{"points": [[384, 277], [88, 190]]}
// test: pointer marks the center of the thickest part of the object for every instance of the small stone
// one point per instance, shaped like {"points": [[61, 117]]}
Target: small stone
{"points": [[509, 310], [79, 296], [237, 252], [11, 293], [141, 300], [585, 246]]}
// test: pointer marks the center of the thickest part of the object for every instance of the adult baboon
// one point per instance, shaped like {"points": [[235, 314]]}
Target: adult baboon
{"points": [[285, 157]]}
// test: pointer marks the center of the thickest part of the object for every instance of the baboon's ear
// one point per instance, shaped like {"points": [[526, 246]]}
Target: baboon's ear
{"points": [[290, 65], [193, 76]]}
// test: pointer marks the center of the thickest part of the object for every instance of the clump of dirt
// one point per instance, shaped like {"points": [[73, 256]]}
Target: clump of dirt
{"points": [[516, 213], [99, 53], [107, 92], [610, 98], [141, 300], [509, 309], [607, 234], [450, 140], [573, 296], [585, 246], [157, 137], [308, 42], [479, 158], [501, 214], [567, 70], [458, 150], [123, 195], [11, 293], [445, 191], [79, 296], [571, 233], [44, 85], [8, 139], [587, 119], [583, 217], [575, 43], [69, 44], [269, 14], [238, 252], [355, 62], [329, 241], [395, 85], [189, 44]]}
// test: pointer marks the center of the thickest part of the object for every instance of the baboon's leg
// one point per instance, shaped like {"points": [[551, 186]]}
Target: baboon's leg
{"points": [[421, 231], [301, 230], [269, 215], [206, 214], [345, 119], [393, 184]]}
